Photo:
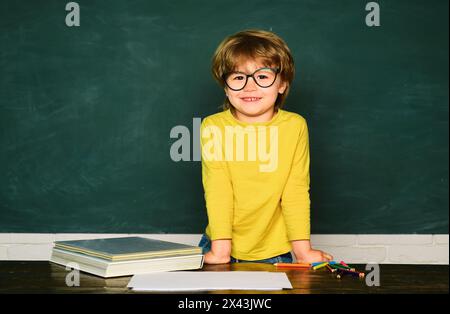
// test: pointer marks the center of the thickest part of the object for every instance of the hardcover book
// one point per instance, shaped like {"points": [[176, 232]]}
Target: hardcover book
{"points": [[126, 256]]}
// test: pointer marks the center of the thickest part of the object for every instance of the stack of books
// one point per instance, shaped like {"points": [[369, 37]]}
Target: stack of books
{"points": [[126, 256]]}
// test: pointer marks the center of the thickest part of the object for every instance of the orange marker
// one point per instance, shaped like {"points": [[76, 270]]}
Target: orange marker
{"points": [[293, 265]]}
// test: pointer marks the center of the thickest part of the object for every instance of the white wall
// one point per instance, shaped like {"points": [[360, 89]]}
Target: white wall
{"points": [[351, 248]]}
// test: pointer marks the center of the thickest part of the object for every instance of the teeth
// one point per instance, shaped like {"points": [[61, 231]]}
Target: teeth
{"points": [[251, 99]]}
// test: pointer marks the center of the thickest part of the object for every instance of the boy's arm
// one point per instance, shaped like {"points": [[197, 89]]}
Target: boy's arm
{"points": [[295, 203], [218, 196]]}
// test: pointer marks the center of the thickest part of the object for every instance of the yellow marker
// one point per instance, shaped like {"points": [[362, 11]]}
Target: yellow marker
{"points": [[320, 265]]}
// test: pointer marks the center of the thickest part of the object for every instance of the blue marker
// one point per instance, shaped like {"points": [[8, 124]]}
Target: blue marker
{"points": [[318, 263]]}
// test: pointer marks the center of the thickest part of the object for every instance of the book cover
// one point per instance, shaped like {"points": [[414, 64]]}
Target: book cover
{"points": [[127, 248]]}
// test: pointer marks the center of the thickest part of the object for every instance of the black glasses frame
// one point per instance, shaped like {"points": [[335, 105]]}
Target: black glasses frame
{"points": [[276, 70]]}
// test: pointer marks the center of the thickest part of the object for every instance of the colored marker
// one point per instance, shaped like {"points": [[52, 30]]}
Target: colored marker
{"points": [[349, 272], [320, 266], [338, 266], [293, 265], [345, 265], [342, 263], [331, 269], [318, 263]]}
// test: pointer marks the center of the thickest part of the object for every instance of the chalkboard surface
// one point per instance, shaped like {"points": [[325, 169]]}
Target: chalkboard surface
{"points": [[86, 111]]}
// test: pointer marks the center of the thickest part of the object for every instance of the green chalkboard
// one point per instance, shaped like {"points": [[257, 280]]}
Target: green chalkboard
{"points": [[86, 111]]}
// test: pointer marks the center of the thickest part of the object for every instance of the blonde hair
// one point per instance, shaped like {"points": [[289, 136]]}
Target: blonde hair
{"points": [[253, 44]]}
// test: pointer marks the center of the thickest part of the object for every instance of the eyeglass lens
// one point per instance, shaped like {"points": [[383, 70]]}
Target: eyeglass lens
{"points": [[264, 77]]}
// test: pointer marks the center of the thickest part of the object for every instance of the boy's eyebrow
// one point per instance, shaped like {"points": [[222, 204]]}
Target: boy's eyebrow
{"points": [[264, 67]]}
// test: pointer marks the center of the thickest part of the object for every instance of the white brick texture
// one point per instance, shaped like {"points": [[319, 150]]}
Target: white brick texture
{"points": [[351, 248], [3, 252], [36, 252], [401, 239], [356, 255], [333, 240], [418, 254], [441, 239]]}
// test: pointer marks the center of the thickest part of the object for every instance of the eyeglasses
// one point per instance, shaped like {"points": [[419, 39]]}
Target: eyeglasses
{"points": [[264, 77]]}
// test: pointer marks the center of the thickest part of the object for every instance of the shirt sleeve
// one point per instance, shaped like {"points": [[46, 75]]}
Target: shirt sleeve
{"points": [[217, 186], [295, 200]]}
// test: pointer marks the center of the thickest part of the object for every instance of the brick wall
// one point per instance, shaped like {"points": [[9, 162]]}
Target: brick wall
{"points": [[352, 248]]}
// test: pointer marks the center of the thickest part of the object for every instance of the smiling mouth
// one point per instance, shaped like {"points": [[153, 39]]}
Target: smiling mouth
{"points": [[250, 99]]}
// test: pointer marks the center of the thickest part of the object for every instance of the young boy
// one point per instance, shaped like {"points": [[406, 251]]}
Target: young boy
{"points": [[255, 158]]}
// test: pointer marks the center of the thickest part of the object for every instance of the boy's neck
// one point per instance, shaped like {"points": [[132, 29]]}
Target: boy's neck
{"points": [[265, 117]]}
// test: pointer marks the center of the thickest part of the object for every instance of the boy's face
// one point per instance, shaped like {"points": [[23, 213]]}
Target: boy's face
{"points": [[254, 103]]}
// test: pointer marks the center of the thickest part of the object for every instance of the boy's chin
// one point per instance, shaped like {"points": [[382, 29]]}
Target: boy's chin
{"points": [[250, 109], [252, 112]]}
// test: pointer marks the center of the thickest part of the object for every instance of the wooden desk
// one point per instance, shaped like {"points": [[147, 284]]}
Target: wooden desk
{"points": [[46, 277]]}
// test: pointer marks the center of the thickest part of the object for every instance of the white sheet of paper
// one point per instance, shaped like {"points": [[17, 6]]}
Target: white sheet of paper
{"points": [[210, 280]]}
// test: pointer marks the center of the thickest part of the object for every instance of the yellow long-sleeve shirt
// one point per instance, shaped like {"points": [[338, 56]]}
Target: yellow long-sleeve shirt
{"points": [[256, 182]]}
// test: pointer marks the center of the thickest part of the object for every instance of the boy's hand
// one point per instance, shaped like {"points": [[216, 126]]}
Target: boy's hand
{"points": [[313, 256], [220, 252], [305, 254], [210, 258]]}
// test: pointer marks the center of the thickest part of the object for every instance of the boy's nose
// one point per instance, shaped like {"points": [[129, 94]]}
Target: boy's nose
{"points": [[251, 85]]}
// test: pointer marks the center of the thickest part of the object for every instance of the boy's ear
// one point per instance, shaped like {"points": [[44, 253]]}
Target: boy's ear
{"points": [[282, 88]]}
